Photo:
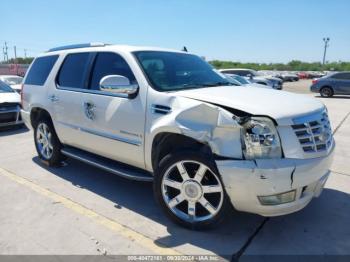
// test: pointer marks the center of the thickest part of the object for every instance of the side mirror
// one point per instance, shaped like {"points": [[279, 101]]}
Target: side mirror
{"points": [[118, 85], [250, 76]]}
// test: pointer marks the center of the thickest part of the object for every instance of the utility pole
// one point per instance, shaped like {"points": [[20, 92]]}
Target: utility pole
{"points": [[14, 48], [25, 53], [16, 65], [6, 57], [326, 41]]}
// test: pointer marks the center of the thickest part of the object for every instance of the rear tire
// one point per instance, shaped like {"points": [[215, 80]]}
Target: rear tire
{"points": [[47, 143], [190, 191], [326, 91]]}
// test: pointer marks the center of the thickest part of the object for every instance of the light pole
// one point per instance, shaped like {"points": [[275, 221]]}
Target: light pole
{"points": [[326, 41]]}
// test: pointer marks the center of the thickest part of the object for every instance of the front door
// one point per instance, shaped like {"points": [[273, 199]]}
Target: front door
{"points": [[115, 124]]}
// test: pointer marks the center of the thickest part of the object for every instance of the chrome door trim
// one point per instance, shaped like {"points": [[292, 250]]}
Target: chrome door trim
{"points": [[103, 134]]}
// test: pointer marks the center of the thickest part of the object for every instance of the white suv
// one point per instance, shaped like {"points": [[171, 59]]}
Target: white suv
{"points": [[166, 116]]}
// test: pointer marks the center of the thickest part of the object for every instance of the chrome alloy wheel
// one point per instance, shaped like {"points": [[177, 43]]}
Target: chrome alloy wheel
{"points": [[192, 191], [43, 140]]}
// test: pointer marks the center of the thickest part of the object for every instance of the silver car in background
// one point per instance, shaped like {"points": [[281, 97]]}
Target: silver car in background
{"points": [[255, 77]]}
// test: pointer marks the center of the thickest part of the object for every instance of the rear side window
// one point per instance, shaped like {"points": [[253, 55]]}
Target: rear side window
{"points": [[109, 64], [343, 76], [40, 70], [73, 70]]}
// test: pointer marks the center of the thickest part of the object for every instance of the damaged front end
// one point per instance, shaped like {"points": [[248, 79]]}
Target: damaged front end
{"points": [[257, 177], [260, 179]]}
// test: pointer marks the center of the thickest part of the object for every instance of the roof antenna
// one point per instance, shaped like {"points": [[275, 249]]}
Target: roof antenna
{"points": [[184, 49]]}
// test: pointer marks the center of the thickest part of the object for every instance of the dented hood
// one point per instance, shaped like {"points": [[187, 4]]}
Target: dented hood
{"points": [[280, 105]]}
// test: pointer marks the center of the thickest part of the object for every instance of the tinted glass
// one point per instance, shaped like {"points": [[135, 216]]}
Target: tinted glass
{"points": [[73, 71], [241, 79], [343, 76], [4, 88], [239, 72], [40, 70], [109, 64], [170, 71]]}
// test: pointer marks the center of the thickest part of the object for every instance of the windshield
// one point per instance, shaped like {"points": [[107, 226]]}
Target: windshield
{"points": [[241, 79], [13, 80], [171, 71], [4, 88]]}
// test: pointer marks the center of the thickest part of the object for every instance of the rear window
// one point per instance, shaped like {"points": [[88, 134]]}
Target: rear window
{"points": [[73, 71], [40, 70]]}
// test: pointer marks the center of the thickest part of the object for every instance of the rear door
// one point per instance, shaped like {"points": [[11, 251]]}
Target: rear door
{"points": [[343, 83], [67, 99]]}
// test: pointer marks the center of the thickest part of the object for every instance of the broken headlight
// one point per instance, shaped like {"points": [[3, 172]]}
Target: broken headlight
{"points": [[260, 139]]}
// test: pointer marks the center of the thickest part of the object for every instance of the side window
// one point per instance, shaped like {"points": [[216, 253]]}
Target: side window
{"points": [[73, 70], [239, 72], [40, 70], [343, 76], [109, 64], [346, 76]]}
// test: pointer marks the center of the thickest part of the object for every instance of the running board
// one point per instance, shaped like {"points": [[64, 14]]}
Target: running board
{"points": [[108, 165]]}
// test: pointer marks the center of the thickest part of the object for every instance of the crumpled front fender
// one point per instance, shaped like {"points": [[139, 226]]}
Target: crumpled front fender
{"points": [[206, 123]]}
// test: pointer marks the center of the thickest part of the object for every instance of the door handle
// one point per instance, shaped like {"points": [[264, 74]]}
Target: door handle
{"points": [[89, 110], [53, 98]]}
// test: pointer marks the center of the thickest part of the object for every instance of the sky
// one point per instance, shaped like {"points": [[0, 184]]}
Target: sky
{"points": [[246, 31]]}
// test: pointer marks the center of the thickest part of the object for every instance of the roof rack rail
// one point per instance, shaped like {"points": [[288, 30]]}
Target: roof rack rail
{"points": [[86, 45]]}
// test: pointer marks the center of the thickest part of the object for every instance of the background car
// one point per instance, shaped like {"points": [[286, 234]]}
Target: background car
{"points": [[289, 77], [14, 81], [242, 81], [255, 77], [9, 106], [332, 84]]}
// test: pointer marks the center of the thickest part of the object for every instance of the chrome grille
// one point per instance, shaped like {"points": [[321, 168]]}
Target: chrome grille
{"points": [[314, 132]]}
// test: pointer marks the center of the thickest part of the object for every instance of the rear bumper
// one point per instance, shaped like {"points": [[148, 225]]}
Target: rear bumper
{"points": [[245, 180], [314, 88]]}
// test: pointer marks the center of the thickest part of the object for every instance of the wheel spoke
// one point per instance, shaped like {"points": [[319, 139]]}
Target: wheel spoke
{"points": [[42, 151], [200, 173], [172, 183], [183, 171], [207, 205], [176, 200], [212, 189], [192, 209], [45, 130]]}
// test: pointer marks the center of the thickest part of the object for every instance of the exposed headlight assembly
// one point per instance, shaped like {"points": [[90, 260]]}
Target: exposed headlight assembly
{"points": [[260, 139]]}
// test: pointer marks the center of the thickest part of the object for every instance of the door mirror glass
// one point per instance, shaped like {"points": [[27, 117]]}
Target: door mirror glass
{"points": [[118, 85]]}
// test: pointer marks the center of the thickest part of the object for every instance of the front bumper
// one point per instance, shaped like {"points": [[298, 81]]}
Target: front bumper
{"points": [[10, 117], [245, 180]]}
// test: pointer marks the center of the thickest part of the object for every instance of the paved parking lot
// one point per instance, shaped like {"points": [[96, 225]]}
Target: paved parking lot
{"points": [[78, 209]]}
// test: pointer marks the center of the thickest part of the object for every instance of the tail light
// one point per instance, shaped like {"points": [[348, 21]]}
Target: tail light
{"points": [[21, 92], [314, 81]]}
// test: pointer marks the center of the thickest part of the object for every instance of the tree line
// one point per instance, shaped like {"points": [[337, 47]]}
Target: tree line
{"points": [[19, 60], [294, 65]]}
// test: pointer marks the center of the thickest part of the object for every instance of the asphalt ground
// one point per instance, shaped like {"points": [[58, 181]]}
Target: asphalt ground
{"points": [[78, 209]]}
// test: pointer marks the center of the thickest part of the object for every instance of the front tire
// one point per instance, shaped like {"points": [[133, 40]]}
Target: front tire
{"points": [[47, 143], [190, 191], [326, 91]]}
